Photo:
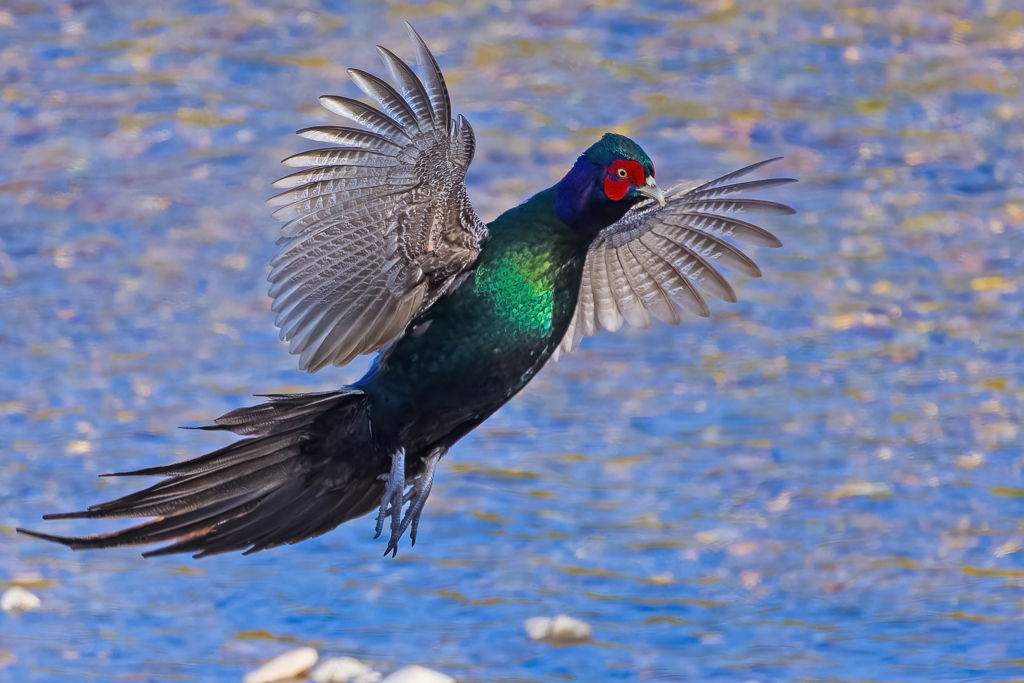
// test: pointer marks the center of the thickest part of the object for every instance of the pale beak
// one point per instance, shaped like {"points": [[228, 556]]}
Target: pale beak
{"points": [[651, 189]]}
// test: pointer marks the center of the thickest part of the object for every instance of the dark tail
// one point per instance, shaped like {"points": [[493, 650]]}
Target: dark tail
{"points": [[306, 467]]}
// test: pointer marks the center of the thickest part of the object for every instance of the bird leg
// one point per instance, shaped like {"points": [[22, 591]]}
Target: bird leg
{"points": [[420, 490], [395, 497], [393, 500]]}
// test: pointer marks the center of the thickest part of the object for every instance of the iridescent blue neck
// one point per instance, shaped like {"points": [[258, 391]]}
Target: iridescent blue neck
{"points": [[581, 203]]}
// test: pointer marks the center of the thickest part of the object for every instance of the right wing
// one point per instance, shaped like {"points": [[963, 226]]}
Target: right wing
{"points": [[655, 259], [379, 226]]}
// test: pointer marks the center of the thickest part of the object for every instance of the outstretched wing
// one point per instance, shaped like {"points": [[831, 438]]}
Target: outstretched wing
{"points": [[657, 259], [378, 226]]}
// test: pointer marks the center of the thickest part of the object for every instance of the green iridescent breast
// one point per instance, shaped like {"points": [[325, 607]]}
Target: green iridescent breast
{"points": [[520, 285]]}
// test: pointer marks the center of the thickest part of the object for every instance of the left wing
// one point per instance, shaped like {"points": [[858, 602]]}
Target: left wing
{"points": [[378, 226], [656, 259]]}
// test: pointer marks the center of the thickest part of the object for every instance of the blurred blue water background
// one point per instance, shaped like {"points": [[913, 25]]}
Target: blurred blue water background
{"points": [[819, 483]]}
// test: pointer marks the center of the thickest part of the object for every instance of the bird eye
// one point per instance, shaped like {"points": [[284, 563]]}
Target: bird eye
{"points": [[622, 173]]}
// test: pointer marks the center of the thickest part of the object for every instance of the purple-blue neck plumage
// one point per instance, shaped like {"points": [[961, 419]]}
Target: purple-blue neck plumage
{"points": [[580, 200]]}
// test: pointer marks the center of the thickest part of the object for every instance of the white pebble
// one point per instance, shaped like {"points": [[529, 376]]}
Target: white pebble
{"points": [[16, 599], [569, 630], [562, 630], [344, 670], [418, 674], [291, 664], [538, 628]]}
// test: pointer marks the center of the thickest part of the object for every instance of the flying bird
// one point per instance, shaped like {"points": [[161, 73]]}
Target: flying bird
{"points": [[381, 249]]}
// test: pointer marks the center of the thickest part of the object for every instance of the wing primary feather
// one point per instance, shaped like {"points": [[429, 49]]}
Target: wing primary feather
{"points": [[655, 298], [464, 146], [355, 157], [670, 277], [634, 298], [349, 137], [746, 170], [411, 87], [432, 80], [626, 299], [365, 115], [335, 186], [736, 188], [324, 199], [727, 226], [711, 281], [738, 206], [727, 255], [393, 105], [685, 293], [322, 173]]}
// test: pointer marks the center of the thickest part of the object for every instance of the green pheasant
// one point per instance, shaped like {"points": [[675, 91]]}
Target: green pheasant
{"points": [[381, 249]]}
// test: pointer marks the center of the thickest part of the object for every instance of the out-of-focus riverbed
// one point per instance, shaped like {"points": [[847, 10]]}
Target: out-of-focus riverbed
{"points": [[821, 482]]}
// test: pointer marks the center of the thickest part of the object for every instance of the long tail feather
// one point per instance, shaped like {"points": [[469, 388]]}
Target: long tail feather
{"points": [[306, 467]]}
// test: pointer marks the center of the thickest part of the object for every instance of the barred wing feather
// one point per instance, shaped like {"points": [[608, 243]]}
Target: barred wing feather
{"points": [[657, 260], [377, 226]]}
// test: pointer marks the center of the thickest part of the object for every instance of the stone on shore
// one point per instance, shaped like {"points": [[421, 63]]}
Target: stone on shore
{"points": [[344, 670], [562, 630], [16, 600], [290, 665]]}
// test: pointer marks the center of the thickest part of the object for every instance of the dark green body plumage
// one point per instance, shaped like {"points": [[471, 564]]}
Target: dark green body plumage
{"points": [[479, 345]]}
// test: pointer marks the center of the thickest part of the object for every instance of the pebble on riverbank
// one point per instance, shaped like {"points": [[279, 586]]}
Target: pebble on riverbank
{"points": [[562, 630], [290, 665], [418, 674], [344, 670], [16, 600]]}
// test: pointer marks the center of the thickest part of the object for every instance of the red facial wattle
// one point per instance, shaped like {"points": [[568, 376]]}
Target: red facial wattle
{"points": [[617, 183]]}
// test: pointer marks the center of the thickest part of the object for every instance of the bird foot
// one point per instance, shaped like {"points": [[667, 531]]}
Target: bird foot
{"points": [[419, 493], [395, 497], [392, 501]]}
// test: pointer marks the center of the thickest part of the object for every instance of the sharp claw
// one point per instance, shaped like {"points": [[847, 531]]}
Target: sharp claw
{"points": [[380, 528], [396, 519]]}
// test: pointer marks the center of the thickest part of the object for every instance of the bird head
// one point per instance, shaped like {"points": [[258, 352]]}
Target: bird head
{"points": [[610, 177], [628, 171]]}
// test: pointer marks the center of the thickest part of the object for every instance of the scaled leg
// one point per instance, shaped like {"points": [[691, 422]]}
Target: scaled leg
{"points": [[420, 491], [393, 500]]}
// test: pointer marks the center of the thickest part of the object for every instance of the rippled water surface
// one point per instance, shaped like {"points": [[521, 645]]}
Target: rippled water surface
{"points": [[821, 482]]}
